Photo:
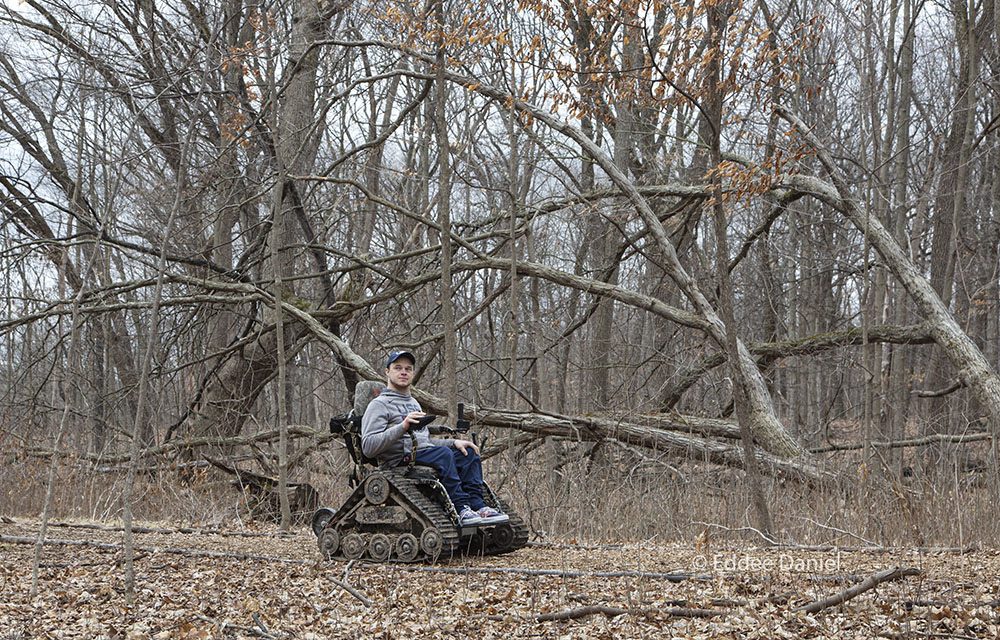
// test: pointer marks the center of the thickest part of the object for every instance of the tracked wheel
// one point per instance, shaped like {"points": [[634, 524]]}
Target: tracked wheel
{"points": [[353, 546], [431, 541], [320, 520], [407, 547], [379, 547], [399, 515], [376, 488], [502, 536], [329, 542]]}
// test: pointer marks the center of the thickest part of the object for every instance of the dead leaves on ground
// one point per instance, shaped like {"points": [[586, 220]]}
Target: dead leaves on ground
{"points": [[187, 597]]}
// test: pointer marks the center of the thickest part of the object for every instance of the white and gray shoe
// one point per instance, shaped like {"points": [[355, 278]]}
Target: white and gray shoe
{"points": [[467, 517], [489, 515]]}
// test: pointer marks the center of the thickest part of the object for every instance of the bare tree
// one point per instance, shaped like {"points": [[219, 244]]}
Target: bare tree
{"points": [[353, 179]]}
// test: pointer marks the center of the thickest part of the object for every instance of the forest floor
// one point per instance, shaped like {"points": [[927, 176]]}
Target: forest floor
{"points": [[203, 584]]}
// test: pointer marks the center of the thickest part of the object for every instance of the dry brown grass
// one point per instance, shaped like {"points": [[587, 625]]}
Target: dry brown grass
{"points": [[619, 498], [612, 496]]}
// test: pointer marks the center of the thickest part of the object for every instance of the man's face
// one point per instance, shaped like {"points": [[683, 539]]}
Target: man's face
{"points": [[400, 374]]}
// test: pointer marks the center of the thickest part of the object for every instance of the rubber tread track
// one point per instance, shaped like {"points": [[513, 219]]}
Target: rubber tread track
{"points": [[438, 517], [517, 524], [404, 490], [407, 490]]}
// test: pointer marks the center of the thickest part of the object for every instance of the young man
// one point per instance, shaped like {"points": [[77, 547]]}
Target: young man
{"points": [[384, 435]]}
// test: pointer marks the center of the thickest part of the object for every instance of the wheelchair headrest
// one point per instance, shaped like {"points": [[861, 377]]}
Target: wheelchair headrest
{"points": [[364, 393]]}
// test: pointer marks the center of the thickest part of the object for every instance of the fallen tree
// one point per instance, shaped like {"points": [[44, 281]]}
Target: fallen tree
{"points": [[971, 366], [589, 428]]}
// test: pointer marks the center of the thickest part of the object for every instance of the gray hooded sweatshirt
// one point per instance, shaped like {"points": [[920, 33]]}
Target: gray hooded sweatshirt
{"points": [[382, 434]]}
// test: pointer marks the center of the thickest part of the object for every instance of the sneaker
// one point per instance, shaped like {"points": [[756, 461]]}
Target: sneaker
{"points": [[468, 517], [490, 515]]}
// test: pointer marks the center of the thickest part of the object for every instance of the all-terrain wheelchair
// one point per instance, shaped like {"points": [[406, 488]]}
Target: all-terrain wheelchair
{"points": [[403, 514]]}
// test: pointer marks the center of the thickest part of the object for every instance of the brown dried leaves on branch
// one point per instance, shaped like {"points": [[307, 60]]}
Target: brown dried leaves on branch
{"points": [[273, 587]]}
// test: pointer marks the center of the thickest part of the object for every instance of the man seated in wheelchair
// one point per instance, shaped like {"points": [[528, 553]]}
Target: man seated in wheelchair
{"points": [[385, 428]]}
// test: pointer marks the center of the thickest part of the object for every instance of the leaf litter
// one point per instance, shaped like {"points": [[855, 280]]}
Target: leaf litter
{"points": [[278, 587]]}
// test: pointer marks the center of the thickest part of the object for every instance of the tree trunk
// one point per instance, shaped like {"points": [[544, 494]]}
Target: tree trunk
{"points": [[949, 204], [973, 369], [718, 14], [444, 219]]}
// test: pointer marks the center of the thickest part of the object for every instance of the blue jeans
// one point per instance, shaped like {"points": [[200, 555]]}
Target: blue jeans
{"points": [[461, 475]]}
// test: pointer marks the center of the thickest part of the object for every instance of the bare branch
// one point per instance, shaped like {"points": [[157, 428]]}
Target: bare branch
{"points": [[873, 581]]}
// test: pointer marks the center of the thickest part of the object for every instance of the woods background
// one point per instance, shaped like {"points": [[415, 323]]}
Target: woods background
{"points": [[623, 233]]}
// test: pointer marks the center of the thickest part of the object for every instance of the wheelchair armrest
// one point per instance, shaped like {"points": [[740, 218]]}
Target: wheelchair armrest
{"points": [[461, 425], [345, 424], [438, 429]]}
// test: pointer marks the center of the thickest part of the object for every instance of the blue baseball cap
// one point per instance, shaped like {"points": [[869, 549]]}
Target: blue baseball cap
{"points": [[396, 355]]}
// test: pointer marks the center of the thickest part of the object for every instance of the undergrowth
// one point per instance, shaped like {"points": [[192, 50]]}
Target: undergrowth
{"points": [[592, 495]]}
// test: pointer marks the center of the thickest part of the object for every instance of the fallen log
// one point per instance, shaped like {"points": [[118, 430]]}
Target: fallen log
{"points": [[611, 612], [958, 438], [294, 431], [870, 583], [262, 496], [634, 430], [168, 531], [173, 550]]}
